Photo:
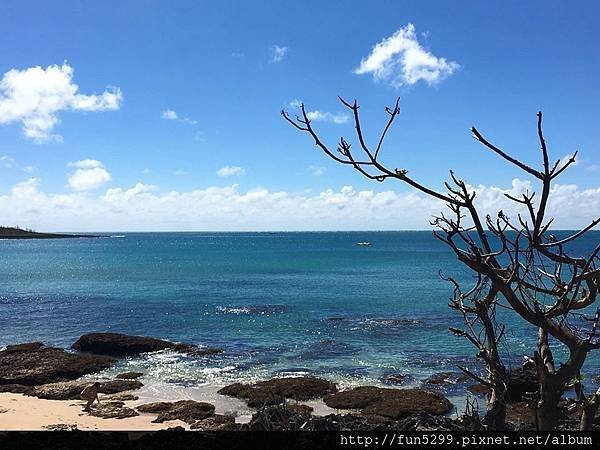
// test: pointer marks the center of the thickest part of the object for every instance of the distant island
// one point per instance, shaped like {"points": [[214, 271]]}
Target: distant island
{"points": [[19, 233]]}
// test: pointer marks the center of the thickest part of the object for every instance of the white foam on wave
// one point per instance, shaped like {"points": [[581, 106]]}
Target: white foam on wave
{"points": [[234, 310]]}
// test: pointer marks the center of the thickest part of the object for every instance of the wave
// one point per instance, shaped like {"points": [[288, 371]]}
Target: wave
{"points": [[253, 309]]}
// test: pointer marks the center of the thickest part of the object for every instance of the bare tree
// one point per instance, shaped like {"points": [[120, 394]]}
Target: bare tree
{"points": [[518, 265]]}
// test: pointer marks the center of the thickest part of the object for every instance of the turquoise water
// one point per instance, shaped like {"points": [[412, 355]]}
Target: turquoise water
{"points": [[278, 303]]}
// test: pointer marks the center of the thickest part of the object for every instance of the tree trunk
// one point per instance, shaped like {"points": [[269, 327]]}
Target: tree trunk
{"points": [[588, 413], [546, 409], [495, 416], [587, 417]]}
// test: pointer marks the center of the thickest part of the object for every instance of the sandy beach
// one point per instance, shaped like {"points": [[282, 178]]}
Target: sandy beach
{"points": [[20, 412]]}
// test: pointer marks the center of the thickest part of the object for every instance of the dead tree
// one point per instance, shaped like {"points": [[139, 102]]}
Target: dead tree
{"points": [[518, 265]]}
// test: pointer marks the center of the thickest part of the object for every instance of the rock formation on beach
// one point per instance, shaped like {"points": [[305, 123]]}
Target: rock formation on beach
{"points": [[34, 364], [118, 344], [188, 411], [70, 390], [391, 403], [276, 390]]}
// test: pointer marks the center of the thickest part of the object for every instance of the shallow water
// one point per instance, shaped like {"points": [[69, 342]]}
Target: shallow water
{"points": [[278, 303]]}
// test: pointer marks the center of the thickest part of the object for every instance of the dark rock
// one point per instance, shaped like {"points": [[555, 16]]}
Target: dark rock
{"points": [[188, 411], [197, 351], [444, 378], [33, 364], [63, 390], [391, 403], [409, 401], [155, 407], [112, 410], [129, 375], [116, 386], [122, 397], [356, 398], [217, 422], [298, 388], [274, 391], [70, 390], [394, 378], [117, 344], [255, 397], [522, 383], [237, 390], [14, 388], [27, 347], [479, 389]]}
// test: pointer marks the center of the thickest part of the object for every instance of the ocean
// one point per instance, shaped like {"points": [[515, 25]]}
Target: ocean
{"points": [[277, 303]]}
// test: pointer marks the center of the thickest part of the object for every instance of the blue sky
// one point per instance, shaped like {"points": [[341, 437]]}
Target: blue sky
{"points": [[226, 69]]}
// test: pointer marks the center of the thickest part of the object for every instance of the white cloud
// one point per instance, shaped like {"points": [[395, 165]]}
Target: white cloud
{"points": [[277, 53], [90, 174], [169, 114], [317, 171], [146, 170], [338, 118], [85, 164], [295, 104], [230, 171], [324, 116], [8, 162], [145, 207], [35, 97], [180, 172], [400, 59]]}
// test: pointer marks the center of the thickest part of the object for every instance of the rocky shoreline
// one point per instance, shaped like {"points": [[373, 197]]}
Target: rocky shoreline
{"points": [[49, 373]]}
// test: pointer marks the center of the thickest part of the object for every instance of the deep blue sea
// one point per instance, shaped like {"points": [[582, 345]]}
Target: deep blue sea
{"points": [[278, 303]]}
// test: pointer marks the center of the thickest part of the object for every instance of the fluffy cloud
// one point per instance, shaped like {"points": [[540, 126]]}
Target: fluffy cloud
{"points": [[400, 59], [35, 97], [230, 171], [145, 207], [169, 114], [277, 53], [90, 174], [338, 118], [324, 116]]}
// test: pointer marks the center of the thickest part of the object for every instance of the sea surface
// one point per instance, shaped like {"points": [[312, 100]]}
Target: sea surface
{"points": [[277, 303]]}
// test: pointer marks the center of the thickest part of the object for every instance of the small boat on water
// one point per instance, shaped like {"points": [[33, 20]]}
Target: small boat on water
{"points": [[363, 243]]}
